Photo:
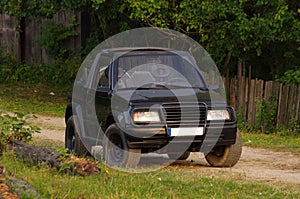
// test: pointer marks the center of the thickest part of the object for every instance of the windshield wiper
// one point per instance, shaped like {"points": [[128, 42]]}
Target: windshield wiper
{"points": [[193, 87], [151, 86]]}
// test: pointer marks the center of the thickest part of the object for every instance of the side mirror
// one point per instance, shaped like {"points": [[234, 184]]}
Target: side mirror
{"points": [[213, 87]]}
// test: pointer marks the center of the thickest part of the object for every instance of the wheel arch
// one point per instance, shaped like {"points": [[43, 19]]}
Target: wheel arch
{"points": [[68, 113], [109, 121]]}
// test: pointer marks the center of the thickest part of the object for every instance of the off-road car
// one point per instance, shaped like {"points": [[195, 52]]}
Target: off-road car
{"points": [[152, 100]]}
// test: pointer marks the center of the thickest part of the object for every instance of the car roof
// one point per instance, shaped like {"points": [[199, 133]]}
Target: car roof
{"points": [[117, 52]]}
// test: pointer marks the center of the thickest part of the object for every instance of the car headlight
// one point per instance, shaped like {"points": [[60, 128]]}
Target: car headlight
{"points": [[218, 115], [145, 117]]}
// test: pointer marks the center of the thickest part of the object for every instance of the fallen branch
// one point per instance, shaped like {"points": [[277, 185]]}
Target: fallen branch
{"points": [[67, 164]]}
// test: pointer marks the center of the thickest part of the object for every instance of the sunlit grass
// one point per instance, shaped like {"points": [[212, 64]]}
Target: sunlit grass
{"points": [[272, 141], [165, 183], [33, 98]]}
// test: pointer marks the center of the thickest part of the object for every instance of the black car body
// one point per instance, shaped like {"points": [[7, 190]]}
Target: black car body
{"points": [[163, 105]]}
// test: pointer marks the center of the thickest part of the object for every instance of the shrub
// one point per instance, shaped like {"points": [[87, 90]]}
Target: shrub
{"points": [[55, 35], [266, 116], [16, 127], [62, 72], [290, 76]]}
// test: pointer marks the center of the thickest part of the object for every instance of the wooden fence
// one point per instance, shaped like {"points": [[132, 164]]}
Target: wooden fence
{"points": [[246, 95], [8, 37], [20, 40]]}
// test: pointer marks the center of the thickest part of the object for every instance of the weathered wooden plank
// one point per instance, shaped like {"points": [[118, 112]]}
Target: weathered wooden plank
{"points": [[243, 103], [292, 103], [8, 36], [232, 93], [268, 90], [287, 105], [251, 103], [246, 109], [297, 118], [279, 105], [282, 117]]}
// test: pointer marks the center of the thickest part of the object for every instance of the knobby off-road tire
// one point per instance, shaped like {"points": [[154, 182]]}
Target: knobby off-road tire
{"points": [[116, 151], [175, 156], [226, 156], [72, 139]]}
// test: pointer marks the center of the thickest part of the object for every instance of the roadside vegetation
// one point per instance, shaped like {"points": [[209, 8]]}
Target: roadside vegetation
{"points": [[171, 182], [274, 142], [166, 183], [42, 99], [33, 98]]}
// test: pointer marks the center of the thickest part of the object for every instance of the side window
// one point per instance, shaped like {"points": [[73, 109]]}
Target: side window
{"points": [[103, 64], [103, 82]]}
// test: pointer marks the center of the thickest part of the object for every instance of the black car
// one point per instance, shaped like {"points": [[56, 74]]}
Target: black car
{"points": [[150, 100]]}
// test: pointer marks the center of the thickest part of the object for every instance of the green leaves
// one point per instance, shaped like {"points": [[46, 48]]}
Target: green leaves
{"points": [[222, 26], [15, 126], [248, 29], [54, 36], [290, 76]]}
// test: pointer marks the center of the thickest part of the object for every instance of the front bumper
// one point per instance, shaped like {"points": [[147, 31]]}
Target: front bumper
{"points": [[158, 138]]}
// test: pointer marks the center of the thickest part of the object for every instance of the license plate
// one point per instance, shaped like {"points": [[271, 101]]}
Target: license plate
{"points": [[185, 131]]}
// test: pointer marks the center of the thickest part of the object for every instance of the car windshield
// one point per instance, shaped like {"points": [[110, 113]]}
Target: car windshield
{"points": [[157, 70]]}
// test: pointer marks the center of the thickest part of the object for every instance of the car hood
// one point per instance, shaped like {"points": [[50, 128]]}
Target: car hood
{"points": [[159, 96]]}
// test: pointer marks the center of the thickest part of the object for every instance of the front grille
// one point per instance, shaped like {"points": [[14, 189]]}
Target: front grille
{"points": [[184, 114]]}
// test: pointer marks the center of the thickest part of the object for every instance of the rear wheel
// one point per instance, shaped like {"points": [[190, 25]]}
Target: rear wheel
{"points": [[176, 156], [226, 156], [116, 151], [72, 139]]}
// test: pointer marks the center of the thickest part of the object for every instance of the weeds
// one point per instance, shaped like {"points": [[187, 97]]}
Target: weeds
{"points": [[16, 127], [266, 116]]}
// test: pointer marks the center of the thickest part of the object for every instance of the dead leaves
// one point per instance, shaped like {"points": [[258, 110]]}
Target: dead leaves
{"points": [[5, 191]]}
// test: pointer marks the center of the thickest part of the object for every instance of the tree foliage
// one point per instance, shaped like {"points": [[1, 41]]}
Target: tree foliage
{"points": [[264, 34], [246, 29], [39, 8]]}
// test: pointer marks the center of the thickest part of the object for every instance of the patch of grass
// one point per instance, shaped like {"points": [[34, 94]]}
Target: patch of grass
{"points": [[33, 98], [161, 184], [272, 141], [47, 143]]}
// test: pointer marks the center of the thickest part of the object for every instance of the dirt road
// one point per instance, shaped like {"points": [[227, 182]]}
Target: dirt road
{"points": [[255, 163]]}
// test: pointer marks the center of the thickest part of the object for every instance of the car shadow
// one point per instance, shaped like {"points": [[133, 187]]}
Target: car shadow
{"points": [[162, 160]]}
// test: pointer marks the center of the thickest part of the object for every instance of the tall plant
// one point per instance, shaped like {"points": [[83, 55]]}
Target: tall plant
{"points": [[16, 126]]}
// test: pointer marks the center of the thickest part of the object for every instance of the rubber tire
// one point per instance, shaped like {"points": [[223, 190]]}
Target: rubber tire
{"points": [[113, 141], [227, 156], [72, 139], [175, 156]]}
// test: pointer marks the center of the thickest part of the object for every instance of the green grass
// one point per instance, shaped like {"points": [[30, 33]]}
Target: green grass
{"points": [[165, 183], [272, 141], [33, 98]]}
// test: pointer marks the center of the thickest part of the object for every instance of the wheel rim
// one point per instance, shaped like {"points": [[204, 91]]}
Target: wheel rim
{"points": [[70, 142], [218, 151], [117, 148]]}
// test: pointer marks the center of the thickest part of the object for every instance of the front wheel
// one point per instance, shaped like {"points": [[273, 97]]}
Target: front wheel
{"points": [[72, 139], [116, 151], [226, 156]]}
